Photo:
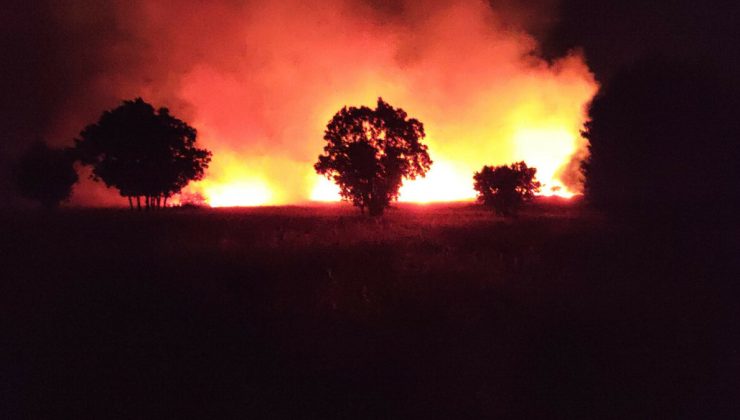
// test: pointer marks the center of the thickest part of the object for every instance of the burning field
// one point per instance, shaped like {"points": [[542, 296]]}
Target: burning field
{"points": [[236, 286], [260, 80]]}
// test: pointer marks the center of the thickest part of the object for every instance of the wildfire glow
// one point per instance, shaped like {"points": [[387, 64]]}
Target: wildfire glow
{"points": [[238, 194], [545, 149], [235, 184], [446, 182], [325, 190], [261, 104], [443, 182], [556, 189]]}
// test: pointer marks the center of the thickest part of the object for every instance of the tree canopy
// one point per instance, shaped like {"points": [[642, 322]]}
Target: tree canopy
{"points": [[369, 152], [662, 133], [46, 175], [505, 188], [142, 152]]}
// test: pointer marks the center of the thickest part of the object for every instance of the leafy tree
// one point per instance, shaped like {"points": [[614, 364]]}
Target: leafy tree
{"points": [[506, 188], [142, 152], [46, 175], [370, 151], [663, 135]]}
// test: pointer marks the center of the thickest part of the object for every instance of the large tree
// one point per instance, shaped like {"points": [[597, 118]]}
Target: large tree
{"points": [[369, 152], [142, 152], [664, 135], [505, 188], [46, 175]]}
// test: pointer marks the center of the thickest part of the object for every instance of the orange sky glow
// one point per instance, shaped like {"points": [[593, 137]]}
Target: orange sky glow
{"points": [[535, 115], [261, 82]]}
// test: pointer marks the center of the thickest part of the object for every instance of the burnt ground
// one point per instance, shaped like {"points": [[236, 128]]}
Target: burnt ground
{"points": [[442, 311]]}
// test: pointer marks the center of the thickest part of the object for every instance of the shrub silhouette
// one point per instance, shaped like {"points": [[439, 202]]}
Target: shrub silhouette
{"points": [[142, 152], [663, 134], [370, 151], [505, 188], [46, 175], [192, 200]]}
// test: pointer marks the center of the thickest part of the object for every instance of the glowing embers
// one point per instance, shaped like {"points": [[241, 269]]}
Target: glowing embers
{"points": [[238, 194]]}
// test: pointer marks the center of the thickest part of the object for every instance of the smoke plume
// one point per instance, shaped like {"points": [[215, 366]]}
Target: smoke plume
{"points": [[260, 80]]}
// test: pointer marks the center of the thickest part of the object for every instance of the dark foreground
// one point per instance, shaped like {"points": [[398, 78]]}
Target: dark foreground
{"points": [[431, 312]]}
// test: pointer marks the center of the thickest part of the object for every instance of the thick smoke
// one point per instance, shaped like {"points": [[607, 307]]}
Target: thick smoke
{"points": [[261, 79]]}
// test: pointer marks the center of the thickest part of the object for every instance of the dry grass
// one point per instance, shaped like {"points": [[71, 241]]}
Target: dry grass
{"points": [[439, 310]]}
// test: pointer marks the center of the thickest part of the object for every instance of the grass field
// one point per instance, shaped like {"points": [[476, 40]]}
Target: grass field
{"points": [[437, 311]]}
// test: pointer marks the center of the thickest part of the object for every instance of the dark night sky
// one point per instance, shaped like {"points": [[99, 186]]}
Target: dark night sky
{"points": [[48, 60], [615, 33]]}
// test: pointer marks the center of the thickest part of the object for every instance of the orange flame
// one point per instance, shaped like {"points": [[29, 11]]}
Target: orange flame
{"points": [[482, 95]]}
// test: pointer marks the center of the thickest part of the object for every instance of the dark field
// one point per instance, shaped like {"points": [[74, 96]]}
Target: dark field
{"points": [[429, 312]]}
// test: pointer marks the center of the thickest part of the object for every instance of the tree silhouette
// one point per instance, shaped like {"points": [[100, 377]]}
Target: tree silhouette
{"points": [[46, 175], [142, 152], [663, 134], [506, 188], [192, 200], [370, 151]]}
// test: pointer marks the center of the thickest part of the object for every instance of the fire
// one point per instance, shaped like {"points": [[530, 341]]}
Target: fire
{"points": [[235, 184], [239, 194], [444, 182], [324, 190], [546, 149], [483, 96], [548, 146], [260, 81]]}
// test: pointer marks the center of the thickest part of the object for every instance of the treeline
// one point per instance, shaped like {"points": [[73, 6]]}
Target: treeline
{"points": [[144, 153], [147, 154], [662, 134]]}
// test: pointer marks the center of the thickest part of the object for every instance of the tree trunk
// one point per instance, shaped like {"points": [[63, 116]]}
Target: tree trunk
{"points": [[165, 201], [138, 202], [375, 209], [130, 203], [375, 206]]}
